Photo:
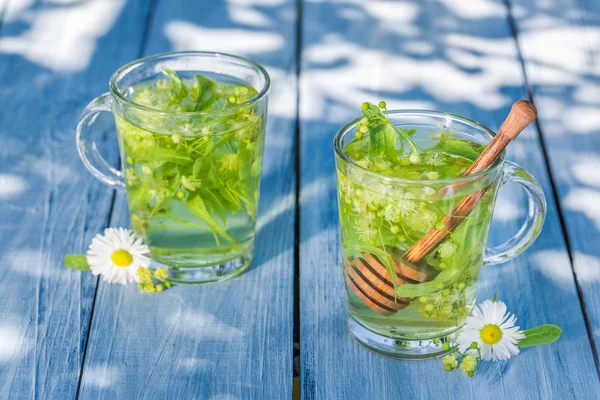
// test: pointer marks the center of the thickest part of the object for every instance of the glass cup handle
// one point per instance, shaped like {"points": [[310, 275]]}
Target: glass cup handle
{"points": [[533, 224], [86, 146]]}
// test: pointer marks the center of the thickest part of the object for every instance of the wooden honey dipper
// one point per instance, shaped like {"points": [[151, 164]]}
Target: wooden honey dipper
{"points": [[368, 277]]}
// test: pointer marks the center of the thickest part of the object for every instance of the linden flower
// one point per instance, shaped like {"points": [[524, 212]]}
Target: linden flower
{"points": [[434, 160], [469, 363], [446, 250], [493, 329], [346, 186], [450, 362], [402, 208], [117, 255], [373, 199], [190, 183], [423, 220], [366, 229], [360, 207], [230, 162]]}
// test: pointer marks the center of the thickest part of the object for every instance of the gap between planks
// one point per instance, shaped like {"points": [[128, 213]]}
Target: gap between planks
{"points": [[296, 386]]}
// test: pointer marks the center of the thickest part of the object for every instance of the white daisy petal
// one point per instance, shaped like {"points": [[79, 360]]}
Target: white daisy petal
{"points": [[102, 248], [477, 329]]}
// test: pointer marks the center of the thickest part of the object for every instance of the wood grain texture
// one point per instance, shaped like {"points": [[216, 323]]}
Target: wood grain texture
{"points": [[449, 55], [564, 77], [54, 58], [233, 340]]}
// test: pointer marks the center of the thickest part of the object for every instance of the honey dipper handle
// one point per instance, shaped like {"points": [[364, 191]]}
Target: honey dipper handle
{"points": [[521, 115]]}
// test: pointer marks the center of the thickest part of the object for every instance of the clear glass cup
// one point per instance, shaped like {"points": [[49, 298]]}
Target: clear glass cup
{"points": [[192, 178], [382, 216]]}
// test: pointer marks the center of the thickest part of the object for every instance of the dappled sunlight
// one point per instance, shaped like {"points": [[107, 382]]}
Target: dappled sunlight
{"points": [[561, 54], [499, 47], [12, 186], [476, 9], [363, 71], [13, 342], [588, 268], [507, 209], [102, 376], [193, 363], [67, 46], [587, 169], [203, 325], [33, 264], [187, 36], [394, 16], [584, 196], [282, 102], [553, 264], [50, 170], [452, 66], [264, 3], [312, 191], [16, 10], [585, 201], [582, 120], [244, 15], [279, 207]]}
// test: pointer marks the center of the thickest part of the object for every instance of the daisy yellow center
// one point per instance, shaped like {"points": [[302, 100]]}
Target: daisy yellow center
{"points": [[121, 258], [490, 334]]}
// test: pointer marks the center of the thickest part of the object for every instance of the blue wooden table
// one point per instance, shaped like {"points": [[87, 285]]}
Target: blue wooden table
{"points": [[65, 335]]}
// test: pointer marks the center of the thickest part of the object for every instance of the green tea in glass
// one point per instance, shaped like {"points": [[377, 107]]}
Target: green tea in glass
{"points": [[400, 174], [191, 130]]}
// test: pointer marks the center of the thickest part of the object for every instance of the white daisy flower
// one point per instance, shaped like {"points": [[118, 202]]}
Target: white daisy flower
{"points": [[117, 255], [494, 331]]}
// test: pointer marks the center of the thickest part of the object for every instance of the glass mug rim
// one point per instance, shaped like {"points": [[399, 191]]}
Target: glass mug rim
{"points": [[121, 72], [344, 130]]}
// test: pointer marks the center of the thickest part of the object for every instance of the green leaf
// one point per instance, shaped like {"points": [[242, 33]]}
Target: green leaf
{"points": [[198, 164], [157, 153], [77, 262], [406, 134], [458, 147], [244, 157], [179, 91], [198, 208], [206, 93], [210, 197], [383, 137], [544, 334], [495, 298]]}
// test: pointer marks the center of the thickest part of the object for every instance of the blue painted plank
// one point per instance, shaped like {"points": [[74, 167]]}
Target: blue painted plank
{"points": [[564, 76], [54, 58], [448, 55], [232, 340]]}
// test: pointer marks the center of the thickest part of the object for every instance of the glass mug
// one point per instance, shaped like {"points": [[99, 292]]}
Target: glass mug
{"points": [[192, 178], [382, 216]]}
